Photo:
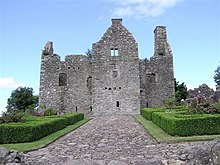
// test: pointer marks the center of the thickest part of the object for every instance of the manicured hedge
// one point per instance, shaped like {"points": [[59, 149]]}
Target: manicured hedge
{"points": [[147, 112], [73, 117], [187, 126], [36, 128]]}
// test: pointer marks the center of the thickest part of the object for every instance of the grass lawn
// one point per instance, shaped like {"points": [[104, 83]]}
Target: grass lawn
{"points": [[163, 137], [44, 141]]}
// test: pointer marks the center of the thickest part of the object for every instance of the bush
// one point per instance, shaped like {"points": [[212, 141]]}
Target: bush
{"points": [[50, 112], [35, 127], [189, 125], [170, 103], [147, 112], [201, 105], [73, 118], [12, 116], [217, 107]]}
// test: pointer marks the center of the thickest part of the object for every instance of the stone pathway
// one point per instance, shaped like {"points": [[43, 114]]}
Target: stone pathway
{"points": [[108, 140]]}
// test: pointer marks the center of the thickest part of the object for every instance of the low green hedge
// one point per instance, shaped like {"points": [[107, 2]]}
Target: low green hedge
{"points": [[188, 125], [147, 112], [36, 128], [73, 117]]}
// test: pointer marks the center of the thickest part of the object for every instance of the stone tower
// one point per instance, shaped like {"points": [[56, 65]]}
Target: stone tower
{"points": [[156, 75], [115, 69], [115, 81]]}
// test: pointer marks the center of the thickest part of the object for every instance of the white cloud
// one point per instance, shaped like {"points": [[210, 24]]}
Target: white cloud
{"points": [[142, 8], [9, 82]]}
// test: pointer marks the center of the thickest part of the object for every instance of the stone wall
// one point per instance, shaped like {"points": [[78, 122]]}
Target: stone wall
{"points": [[203, 90], [157, 75], [64, 84], [115, 81]]}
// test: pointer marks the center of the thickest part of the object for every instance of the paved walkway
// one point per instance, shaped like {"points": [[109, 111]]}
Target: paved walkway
{"points": [[108, 140]]}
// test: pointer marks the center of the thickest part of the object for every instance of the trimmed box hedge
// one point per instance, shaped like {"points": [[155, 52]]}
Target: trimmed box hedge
{"points": [[180, 123], [188, 125], [36, 128], [147, 112]]}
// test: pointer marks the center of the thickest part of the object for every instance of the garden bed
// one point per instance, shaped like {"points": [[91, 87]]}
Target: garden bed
{"points": [[179, 123], [36, 127]]}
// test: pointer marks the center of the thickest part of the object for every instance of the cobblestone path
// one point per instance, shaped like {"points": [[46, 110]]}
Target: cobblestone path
{"points": [[107, 140]]}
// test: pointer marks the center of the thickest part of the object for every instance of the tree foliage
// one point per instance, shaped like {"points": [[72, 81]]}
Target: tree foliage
{"points": [[21, 99], [180, 91], [89, 54], [217, 76]]}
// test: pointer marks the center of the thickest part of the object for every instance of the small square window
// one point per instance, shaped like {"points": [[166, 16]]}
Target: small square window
{"points": [[114, 52]]}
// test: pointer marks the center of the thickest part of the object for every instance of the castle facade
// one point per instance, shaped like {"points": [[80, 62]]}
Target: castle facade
{"points": [[113, 80]]}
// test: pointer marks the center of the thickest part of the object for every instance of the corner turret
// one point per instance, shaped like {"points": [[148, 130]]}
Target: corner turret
{"points": [[161, 44], [48, 49]]}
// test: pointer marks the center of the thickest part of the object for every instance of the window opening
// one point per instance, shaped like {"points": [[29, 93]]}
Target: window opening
{"points": [[115, 73], [114, 51], [117, 103], [91, 108], [119, 87], [76, 109], [109, 88], [62, 79]]}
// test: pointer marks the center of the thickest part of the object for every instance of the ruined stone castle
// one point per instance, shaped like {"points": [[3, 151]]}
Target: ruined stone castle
{"points": [[113, 81]]}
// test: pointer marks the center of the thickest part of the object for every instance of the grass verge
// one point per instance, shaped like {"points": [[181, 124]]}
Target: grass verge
{"points": [[163, 137], [25, 147]]}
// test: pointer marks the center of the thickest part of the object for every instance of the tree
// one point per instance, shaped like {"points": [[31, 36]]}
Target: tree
{"points": [[180, 91], [89, 54], [217, 76], [21, 99]]}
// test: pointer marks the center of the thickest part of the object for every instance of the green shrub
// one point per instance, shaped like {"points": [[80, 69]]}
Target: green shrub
{"points": [[50, 112], [73, 117], [217, 107], [12, 116], [200, 105], [35, 127], [188, 125], [170, 103], [147, 112]]}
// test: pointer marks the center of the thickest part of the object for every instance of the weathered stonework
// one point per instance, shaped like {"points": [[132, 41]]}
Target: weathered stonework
{"points": [[115, 81], [205, 91], [156, 75]]}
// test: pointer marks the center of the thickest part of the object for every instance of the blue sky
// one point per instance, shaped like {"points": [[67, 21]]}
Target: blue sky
{"points": [[193, 28]]}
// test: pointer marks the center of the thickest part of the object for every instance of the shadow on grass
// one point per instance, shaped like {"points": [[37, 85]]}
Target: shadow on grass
{"points": [[163, 137], [25, 147]]}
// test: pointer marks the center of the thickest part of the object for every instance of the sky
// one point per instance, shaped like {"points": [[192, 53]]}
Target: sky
{"points": [[193, 29]]}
